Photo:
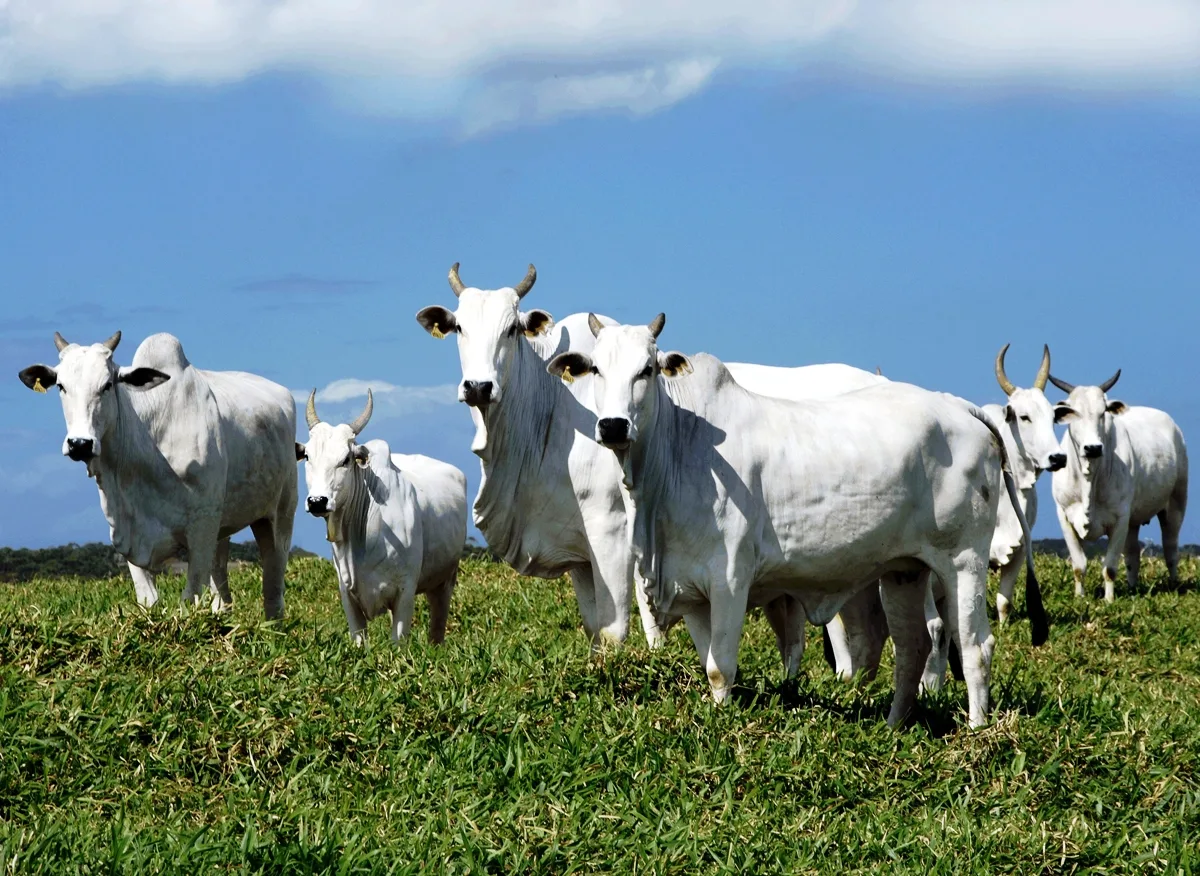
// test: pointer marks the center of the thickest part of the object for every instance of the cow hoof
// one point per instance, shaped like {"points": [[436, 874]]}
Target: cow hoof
{"points": [[930, 683], [1002, 608]]}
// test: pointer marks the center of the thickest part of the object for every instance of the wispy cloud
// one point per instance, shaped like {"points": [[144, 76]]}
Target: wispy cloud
{"points": [[304, 284], [484, 64], [390, 400]]}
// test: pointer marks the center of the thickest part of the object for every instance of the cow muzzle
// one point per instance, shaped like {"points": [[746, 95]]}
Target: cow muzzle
{"points": [[478, 393], [80, 449], [613, 432], [318, 506], [1093, 451], [1057, 461]]}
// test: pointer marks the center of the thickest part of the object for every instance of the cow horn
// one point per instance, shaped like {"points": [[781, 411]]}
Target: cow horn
{"points": [[1111, 382], [310, 412], [595, 325], [656, 325], [1001, 377], [526, 284], [1039, 382], [365, 417], [1061, 384], [456, 285], [61, 342], [112, 342]]}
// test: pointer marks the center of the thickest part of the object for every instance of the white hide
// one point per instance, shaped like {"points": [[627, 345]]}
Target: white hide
{"points": [[184, 465], [1141, 474]]}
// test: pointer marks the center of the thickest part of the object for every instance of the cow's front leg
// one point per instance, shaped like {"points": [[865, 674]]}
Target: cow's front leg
{"points": [[356, 620], [1074, 548], [727, 616], [787, 618], [1008, 582], [201, 551], [583, 581], [402, 610], [934, 674], [612, 572], [219, 582], [1112, 556], [143, 586]]}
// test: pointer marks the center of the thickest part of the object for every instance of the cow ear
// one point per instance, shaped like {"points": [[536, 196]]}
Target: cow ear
{"points": [[673, 364], [361, 455], [437, 320], [142, 378], [1064, 413], [39, 378], [1009, 414], [570, 365], [1116, 407], [536, 322], [301, 453]]}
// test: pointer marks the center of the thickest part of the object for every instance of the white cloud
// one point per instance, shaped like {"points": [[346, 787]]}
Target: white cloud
{"points": [[390, 400], [484, 63]]}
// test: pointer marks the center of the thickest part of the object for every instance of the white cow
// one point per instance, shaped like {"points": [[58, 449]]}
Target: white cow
{"points": [[550, 499], [183, 459], [397, 523], [1125, 465], [737, 499]]}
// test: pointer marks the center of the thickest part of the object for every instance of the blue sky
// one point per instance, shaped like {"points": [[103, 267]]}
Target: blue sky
{"points": [[903, 185]]}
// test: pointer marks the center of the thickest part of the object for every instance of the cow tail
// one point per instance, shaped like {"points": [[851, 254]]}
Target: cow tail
{"points": [[1038, 625]]}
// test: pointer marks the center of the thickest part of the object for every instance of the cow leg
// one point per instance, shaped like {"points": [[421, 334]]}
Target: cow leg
{"points": [[1075, 549], [726, 619], [1008, 582], [1133, 558], [274, 540], [356, 621], [934, 674], [202, 549], [656, 636], [218, 583], [836, 646], [903, 601], [966, 614], [786, 616], [402, 609], [866, 629], [613, 577], [585, 596], [143, 586], [1112, 556], [439, 608], [1171, 521]]}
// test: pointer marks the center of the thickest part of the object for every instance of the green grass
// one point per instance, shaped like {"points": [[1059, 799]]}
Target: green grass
{"points": [[135, 742]]}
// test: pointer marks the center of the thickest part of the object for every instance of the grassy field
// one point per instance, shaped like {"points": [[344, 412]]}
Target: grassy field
{"points": [[135, 742]]}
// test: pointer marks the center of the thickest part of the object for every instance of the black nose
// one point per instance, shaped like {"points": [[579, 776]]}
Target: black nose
{"points": [[1057, 461], [318, 505], [1093, 451], [80, 449], [613, 430], [477, 392]]}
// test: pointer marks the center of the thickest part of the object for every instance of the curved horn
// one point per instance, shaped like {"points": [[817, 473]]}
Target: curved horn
{"points": [[1001, 377], [112, 342], [1039, 382], [526, 284], [878, 371], [365, 417], [310, 412], [1111, 382], [656, 325], [595, 325], [1061, 384], [61, 342], [456, 285]]}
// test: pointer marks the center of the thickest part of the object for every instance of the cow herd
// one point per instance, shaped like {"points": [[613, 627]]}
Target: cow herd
{"points": [[694, 488]]}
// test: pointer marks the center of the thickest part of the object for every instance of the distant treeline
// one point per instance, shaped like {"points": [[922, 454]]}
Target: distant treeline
{"points": [[1058, 548], [94, 560]]}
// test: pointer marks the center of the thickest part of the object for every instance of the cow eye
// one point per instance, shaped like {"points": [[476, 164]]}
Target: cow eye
{"points": [[645, 372], [1025, 418]]}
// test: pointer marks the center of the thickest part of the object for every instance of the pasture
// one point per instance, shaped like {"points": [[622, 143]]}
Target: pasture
{"points": [[164, 741]]}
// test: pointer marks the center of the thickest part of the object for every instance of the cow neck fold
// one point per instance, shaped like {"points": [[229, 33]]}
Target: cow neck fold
{"points": [[516, 433], [349, 523]]}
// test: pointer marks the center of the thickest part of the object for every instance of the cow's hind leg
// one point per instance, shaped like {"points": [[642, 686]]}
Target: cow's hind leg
{"points": [[965, 581], [1009, 573], [218, 582], [787, 618], [904, 603], [1133, 558], [439, 609], [143, 586], [274, 539], [1171, 521]]}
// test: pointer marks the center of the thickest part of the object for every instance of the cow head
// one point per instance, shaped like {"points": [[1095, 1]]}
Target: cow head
{"points": [[1087, 413], [330, 457], [487, 324], [1030, 416], [86, 378], [625, 364]]}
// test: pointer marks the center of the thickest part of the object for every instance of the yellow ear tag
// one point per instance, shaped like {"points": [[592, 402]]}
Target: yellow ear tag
{"points": [[436, 332], [566, 376], [37, 385]]}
